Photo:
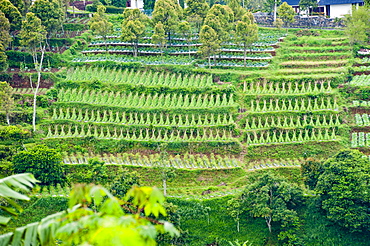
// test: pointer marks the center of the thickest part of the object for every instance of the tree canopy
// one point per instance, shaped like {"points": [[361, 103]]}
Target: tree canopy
{"points": [[169, 13], [344, 190], [43, 162], [12, 14], [50, 13]]}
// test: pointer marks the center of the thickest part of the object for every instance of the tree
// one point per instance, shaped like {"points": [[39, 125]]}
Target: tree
{"points": [[246, 33], [159, 36], [5, 39], [100, 25], [238, 10], [286, 13], [123, 183], [234, 208], [12, 14], [133, 27], [311, 169], [6, 99], [273, 198], [358, 25], [43, 162], [19, 4], [131, 221], [306, 5], [166, 172], [169, 13], [210, 42], [196, 12], [21, 182], [185, 30], [51, 14], [270, 6], [33, 36], [344, 190]]}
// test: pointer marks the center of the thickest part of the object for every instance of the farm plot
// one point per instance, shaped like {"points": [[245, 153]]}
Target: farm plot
{"points": [[175, 161]]}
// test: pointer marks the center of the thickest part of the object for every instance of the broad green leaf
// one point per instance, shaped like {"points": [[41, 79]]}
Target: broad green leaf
{"points": [[31, 234], [5, 239], [4, 220]]}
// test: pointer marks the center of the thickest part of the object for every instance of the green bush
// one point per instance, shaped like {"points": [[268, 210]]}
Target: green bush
{"points": [[44, 163]]}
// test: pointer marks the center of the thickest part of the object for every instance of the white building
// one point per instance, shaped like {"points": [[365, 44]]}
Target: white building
{"points": [[330, 8], [135, 4]]}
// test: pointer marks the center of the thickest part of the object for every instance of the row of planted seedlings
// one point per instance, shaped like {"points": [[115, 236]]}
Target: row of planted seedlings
{"points": [[314, 53], [286, 136], [143, 114], [187, 161], [275, 163], [120, 76], [281, 112], [231, 52], [137, 133], [140, 118]]}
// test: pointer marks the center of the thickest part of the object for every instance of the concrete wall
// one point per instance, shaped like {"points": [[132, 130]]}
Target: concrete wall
{"points": [[339, 10]]}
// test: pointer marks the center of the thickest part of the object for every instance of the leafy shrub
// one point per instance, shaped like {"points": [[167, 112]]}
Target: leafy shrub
{"points": [[44, 163]]}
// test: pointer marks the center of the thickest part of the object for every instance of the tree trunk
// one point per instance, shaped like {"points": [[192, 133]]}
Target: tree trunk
{"points": [[38, 66], [268, 222], [164, 187], [209, 61], [245, 54], [7, 118], [238, 224]]}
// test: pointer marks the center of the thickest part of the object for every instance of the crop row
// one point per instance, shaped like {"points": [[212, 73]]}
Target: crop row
{"points": [[177, 161], [276, 164], [285, 88], [28, 91], [142, 134], [360, 80], [361, 103], [362, 120], [302, 104], [291, 122], [148, 60], [132, 77], [289, 136], [224, 63], [154, 119], [133, 100], [360, 139]]}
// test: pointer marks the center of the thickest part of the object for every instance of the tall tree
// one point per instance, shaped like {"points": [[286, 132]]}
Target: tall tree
{"points": [[100, 25], [358, 25], [169, 13], [185, 30], [5, 39], [133, 27], [246, 33], [221, 19], [51, 14], [286, 13], [166, 172], [273, 198], [159, 36], [344, 189], [6, 99], [12, 14], [33, 36], [196, 12], [210, 42], [238, 10]]}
